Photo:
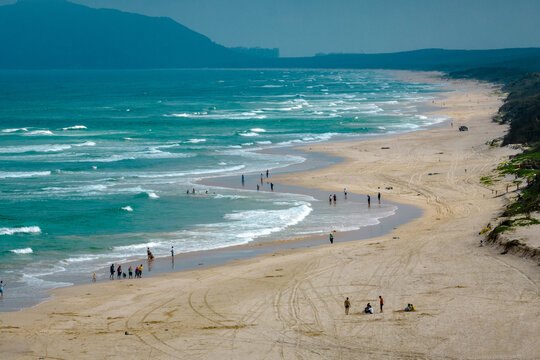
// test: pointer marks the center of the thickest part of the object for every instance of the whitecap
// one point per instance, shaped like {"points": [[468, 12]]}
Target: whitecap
{"points": [[258, 130], [34, 148], [20, 230], [22, 251], [75, 127], [127, 208], [152, 195], [195, 141], [40, 132], [22, 174], [183, 115], [248, 134], [87, 143], [14, 130]]}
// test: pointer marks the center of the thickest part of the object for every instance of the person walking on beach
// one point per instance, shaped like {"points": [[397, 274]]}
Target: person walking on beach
{"points": [[94, 278], [330, 198], [347, 304], [119, 272], [331, 238], [130, 271], [272, 186], [112, 272], [379, 197], [261, 178], [368, 201], [257, 187], [335, 198], [381, 302], [172, 251], [267, 173], [2, 285], [345, 192]]}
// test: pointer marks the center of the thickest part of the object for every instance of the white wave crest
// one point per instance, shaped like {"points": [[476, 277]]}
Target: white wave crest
{"points": [[45, 148], [20, 230], [195, 141], [22, 174], [127, 208], [87, 143], [258, 130], [40, 132], [248, 134], [75, 127], [14, 130], [152, 195], [22, 251]]}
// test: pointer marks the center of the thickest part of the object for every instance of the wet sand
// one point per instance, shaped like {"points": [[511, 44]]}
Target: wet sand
{"points": [[471, 301]]}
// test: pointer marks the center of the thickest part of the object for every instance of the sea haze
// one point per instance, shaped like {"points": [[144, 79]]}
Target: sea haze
{"points": [[95, 165]]}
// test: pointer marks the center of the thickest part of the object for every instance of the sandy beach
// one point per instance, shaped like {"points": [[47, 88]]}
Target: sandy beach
{"points": [[471, 302]]}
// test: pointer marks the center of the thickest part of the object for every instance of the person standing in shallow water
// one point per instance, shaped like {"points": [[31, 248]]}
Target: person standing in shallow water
{"points": [[368, 201], [112, 272], [347, 304], [331, 238], [379, 197], [267, 173], [243, 179]]}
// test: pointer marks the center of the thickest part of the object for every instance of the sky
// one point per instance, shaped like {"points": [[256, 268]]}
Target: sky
{"points": [[307, 27]]}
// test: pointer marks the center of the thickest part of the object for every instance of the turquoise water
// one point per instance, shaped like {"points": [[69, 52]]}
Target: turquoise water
{"points": [[94, 165]]}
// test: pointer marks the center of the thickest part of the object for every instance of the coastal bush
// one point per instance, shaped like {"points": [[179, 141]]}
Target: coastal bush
{"points": [[521, 110]]}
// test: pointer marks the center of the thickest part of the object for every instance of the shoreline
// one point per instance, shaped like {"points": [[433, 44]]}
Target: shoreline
{"points": [[288, 303], [222, 255]]}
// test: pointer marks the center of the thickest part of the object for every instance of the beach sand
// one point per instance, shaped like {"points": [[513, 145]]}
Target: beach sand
{"points": [[471, 302]]}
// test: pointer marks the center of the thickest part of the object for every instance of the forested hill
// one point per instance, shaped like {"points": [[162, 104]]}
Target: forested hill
{"points": [[57, 34]]}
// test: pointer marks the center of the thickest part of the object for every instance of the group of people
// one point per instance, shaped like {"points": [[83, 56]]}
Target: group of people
{"points": [[369, 309], [120, 274], [333, 197], [262, 181], [410, 307], [193, 191]]}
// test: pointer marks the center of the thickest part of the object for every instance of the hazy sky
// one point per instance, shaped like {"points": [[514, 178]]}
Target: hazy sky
{"points": [[306, 27]]}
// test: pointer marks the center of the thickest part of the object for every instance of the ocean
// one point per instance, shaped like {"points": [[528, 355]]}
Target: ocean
{"points": [[95, 165]]}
